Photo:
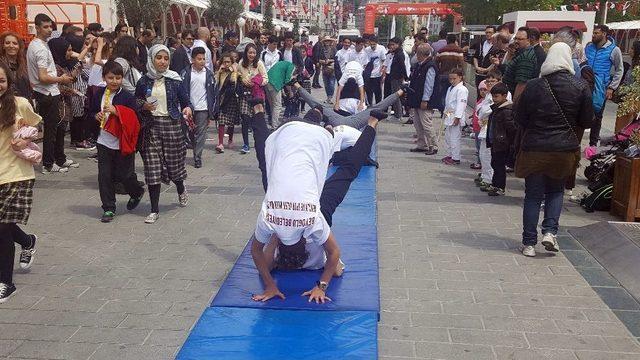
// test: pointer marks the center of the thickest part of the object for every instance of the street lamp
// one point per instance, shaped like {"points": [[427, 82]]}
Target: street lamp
{"points": [[241, 22]]}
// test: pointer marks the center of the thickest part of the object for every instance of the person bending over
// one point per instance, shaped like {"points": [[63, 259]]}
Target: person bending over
{"points": [[350, 97], [293, 229]]}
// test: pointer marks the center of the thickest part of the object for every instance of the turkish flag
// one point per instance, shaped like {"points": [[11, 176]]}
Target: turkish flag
{"points": [[326, 9], [255, 3]]}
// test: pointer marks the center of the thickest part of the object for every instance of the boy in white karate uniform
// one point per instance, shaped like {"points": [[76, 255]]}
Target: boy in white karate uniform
{"points": [[454, 112]]}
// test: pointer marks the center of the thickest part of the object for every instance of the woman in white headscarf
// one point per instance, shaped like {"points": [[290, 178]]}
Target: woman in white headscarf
{"points": [[551, 113], [163, 146]]}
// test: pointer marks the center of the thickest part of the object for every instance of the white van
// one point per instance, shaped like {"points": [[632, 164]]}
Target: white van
{"points": [[349, 34]]}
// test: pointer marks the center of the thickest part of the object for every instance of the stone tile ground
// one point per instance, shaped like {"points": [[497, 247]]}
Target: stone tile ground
{"points": [[453, 285]]}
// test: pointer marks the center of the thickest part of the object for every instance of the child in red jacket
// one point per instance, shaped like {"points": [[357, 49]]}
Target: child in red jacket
{"points": [[115, 110]]}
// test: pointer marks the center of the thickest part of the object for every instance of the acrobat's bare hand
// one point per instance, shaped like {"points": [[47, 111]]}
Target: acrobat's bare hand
{"points": [[269, 293], [318, 295]]}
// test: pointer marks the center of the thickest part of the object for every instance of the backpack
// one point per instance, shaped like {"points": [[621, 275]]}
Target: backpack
{"points": [[599, 200]]}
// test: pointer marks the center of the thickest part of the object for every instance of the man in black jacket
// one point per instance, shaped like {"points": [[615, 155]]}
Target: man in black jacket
{"points": [[317, 48], [144, 42], [181, 58], [292, 54], [397, 74]]}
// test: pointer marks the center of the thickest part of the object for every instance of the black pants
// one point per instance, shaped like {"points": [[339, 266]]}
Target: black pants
{"points": [[77, 129], [373, 86], [337, 186], [594, 136], [498, 163], [54, 128], [316, 76], [260, 131], [10, 233], [113, 167]]}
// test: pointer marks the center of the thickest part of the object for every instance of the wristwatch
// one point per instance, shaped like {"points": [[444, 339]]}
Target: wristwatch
{"points": [[322, 285]]}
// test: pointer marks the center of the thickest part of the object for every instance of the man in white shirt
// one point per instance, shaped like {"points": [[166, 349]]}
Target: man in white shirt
{"points": [[359, 54], [293, 230], [377, 56], [343, 56], [204, 35], [44, 80], [271, 55], [454, 113]]}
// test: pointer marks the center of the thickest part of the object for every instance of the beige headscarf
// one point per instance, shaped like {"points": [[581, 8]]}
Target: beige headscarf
{"points": [[558, 58]]}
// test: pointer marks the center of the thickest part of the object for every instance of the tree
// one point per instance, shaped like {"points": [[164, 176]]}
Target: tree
{"points": [[142, 13], [267, 24], [490, 11], [225, 12]]}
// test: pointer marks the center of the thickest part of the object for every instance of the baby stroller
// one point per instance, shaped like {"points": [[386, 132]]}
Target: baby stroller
{"points": [[600, 171]]}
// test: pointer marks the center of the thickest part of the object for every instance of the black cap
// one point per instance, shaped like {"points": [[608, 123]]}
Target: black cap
{"points": [[95, 27]]}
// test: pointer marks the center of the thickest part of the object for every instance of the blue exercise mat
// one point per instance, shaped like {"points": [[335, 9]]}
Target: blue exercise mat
{"points": [[354, 225], [247, 334]]}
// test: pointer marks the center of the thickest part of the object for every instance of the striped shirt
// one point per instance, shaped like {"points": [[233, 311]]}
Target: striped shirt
{"points": [[521, 69]]}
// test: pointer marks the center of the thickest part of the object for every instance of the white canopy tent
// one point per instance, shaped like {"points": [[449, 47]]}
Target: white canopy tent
{"points": [[625, 25], [626, 33]]}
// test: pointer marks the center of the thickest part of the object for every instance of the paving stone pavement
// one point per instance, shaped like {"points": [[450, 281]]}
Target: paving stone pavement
{"points": [[453, 285]]}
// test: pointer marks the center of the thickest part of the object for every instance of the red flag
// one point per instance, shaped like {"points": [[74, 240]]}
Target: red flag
{"points": [[576, 7], [326, 9], [255, 3]]}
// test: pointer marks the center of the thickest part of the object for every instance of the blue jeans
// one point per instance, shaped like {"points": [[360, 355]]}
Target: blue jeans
{"points": [[540, 187], [329, 85]]}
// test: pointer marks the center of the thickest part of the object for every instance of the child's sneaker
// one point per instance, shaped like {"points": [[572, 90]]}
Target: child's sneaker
{"points": [[475, 166], [220, 149], [54, 169], [6, 290], [496, 191], [245, 149], [26, 255], [107, 216], [451, 162]]}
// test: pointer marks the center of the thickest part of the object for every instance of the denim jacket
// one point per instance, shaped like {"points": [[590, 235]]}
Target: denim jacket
{"points": [[176, 99], [210, 85]]}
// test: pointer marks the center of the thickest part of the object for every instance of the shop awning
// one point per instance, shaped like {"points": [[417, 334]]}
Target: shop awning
{"points": [[551, 26], [257, 16]]}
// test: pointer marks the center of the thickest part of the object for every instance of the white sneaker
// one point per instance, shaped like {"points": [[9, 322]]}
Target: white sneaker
{"points": [[183, 199], [55, 169], [528, 250], [550, 242], [152, 218], [70, 164]]}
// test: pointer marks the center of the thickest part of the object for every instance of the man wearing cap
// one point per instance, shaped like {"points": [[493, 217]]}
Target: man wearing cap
{"points": [[203, 35], [293, 229], [327, 60]]}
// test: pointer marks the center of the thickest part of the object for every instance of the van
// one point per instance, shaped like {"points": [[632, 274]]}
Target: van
{"points": [[348, 34]]}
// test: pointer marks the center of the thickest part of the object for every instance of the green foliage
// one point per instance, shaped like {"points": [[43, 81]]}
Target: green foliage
{"points": [[142, 12], [267, 24], [225, 12], [403, 26], [630, 95], [296, 30]]}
